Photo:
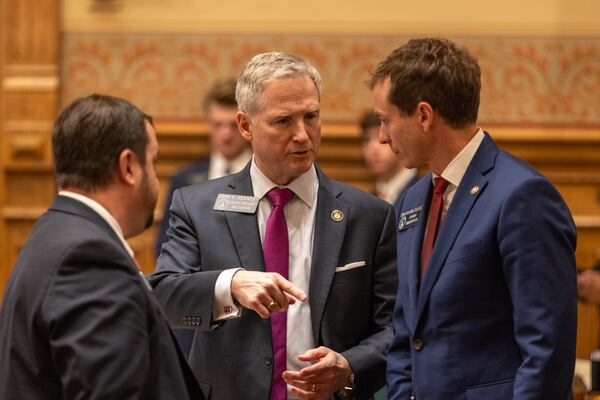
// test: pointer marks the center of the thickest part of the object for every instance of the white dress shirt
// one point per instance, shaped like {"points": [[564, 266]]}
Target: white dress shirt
{"points": [[456, 169], [300, 217], [219, 166]]}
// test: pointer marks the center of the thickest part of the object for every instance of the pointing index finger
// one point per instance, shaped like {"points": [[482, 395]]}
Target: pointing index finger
{"points": [[288, 287]]}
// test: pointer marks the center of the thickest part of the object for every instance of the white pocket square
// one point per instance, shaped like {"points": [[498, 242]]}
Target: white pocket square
{"points": [[352, 265]]}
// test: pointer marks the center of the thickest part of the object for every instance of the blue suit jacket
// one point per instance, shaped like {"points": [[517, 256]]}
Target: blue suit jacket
{"points": [[351, 310], [495, 316]]}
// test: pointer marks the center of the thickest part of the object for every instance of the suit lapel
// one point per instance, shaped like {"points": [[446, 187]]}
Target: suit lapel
{"points": [[463, 201], [422, 191], [244, 227], [327, 243]]}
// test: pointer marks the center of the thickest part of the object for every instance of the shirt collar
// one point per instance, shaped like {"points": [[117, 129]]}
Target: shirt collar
{"points": [[305, 186], [457, 168], [102, 212], [220, 163]]}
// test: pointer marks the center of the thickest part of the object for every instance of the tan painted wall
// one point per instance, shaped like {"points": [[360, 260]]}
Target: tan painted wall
{"points": [[464, 17]]}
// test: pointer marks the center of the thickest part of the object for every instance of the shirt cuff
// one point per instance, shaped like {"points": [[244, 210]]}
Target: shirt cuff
{"points": [[223, 305]]}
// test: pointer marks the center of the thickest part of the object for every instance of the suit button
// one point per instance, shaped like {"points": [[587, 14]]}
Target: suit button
{"points": [[268, 360], [418, 344]]}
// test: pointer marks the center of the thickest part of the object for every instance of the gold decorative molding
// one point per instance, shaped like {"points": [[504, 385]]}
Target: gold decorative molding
{"points": [[30, 84]]}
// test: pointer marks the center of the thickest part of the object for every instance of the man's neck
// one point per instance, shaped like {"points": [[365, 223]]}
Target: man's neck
{"points": [[449, 142]]}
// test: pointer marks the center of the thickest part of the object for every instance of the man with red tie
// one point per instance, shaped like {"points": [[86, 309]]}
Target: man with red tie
{"points": [[286, 276], [486, 305]]}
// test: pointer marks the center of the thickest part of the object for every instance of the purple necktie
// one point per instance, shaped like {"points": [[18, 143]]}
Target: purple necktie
{"points": [[276, 254]]}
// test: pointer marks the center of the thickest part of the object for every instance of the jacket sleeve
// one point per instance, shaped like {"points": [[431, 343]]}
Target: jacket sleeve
{"points": [[183, 288], [536, 238], [399, 377]]}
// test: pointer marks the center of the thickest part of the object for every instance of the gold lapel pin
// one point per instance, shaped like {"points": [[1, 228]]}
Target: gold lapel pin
{"points": [[337, 215], [474, 190]]}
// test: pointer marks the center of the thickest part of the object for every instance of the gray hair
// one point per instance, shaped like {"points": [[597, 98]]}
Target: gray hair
{"points": [[266, 67]]}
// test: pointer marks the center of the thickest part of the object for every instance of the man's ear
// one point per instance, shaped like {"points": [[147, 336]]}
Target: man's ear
{"points": [[425, 115], [243, 122], [126, 167]]}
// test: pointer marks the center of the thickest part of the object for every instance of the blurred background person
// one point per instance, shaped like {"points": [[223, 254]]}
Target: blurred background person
{"points": [[392, 179], [229, 151], [588, 285]]}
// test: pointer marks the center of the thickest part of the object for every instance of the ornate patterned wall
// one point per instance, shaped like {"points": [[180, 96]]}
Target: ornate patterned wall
{"points": [[529, 80]]}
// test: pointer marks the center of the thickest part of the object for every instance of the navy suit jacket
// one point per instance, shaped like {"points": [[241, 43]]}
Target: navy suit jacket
{"points": [[351, 310], [495, 315], [79, 322]]}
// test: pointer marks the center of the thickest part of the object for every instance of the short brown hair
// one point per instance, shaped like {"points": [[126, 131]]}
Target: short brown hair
{"points": [[436, 71], [90, 134], [222, 93], [368, 120]]}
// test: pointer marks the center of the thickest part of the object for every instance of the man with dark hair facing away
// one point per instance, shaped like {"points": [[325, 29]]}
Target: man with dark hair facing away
{"points": [[79, 320]]}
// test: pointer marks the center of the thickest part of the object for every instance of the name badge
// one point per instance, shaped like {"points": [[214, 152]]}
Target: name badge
{"points": [[236, 203], [409, 218]]}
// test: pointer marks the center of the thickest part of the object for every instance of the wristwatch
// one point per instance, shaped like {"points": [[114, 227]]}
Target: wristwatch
{"points": [[347, 392]]}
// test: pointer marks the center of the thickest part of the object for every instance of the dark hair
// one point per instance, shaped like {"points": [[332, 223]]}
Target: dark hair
{"points": [[436, 71], [222, 93], [367, 121], [90, 134]]}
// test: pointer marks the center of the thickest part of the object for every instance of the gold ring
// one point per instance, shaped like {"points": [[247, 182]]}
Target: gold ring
{"points": [[273, 306], [314, 388]]}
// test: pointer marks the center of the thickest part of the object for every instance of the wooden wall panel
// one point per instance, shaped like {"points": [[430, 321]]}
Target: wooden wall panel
{"points": [[29, 99]]}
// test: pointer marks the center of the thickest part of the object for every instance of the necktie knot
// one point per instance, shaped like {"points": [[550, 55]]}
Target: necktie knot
{"points": [[279, 196], [440, 186]]}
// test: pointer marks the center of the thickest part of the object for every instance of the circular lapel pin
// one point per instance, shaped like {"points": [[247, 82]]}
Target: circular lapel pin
{"points": [[337, 215], [474, 190]]}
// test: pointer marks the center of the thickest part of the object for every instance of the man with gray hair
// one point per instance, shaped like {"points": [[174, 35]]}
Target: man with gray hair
{"points": [[286, 276]]}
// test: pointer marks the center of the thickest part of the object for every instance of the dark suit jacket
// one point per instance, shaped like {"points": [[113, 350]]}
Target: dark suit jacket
{"points": [[495, 316], [196, 172], [78, 322], [350, 310]]}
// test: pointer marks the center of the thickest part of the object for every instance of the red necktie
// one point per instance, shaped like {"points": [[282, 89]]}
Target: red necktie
{"points": [[433, 222], [276, 255]]}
